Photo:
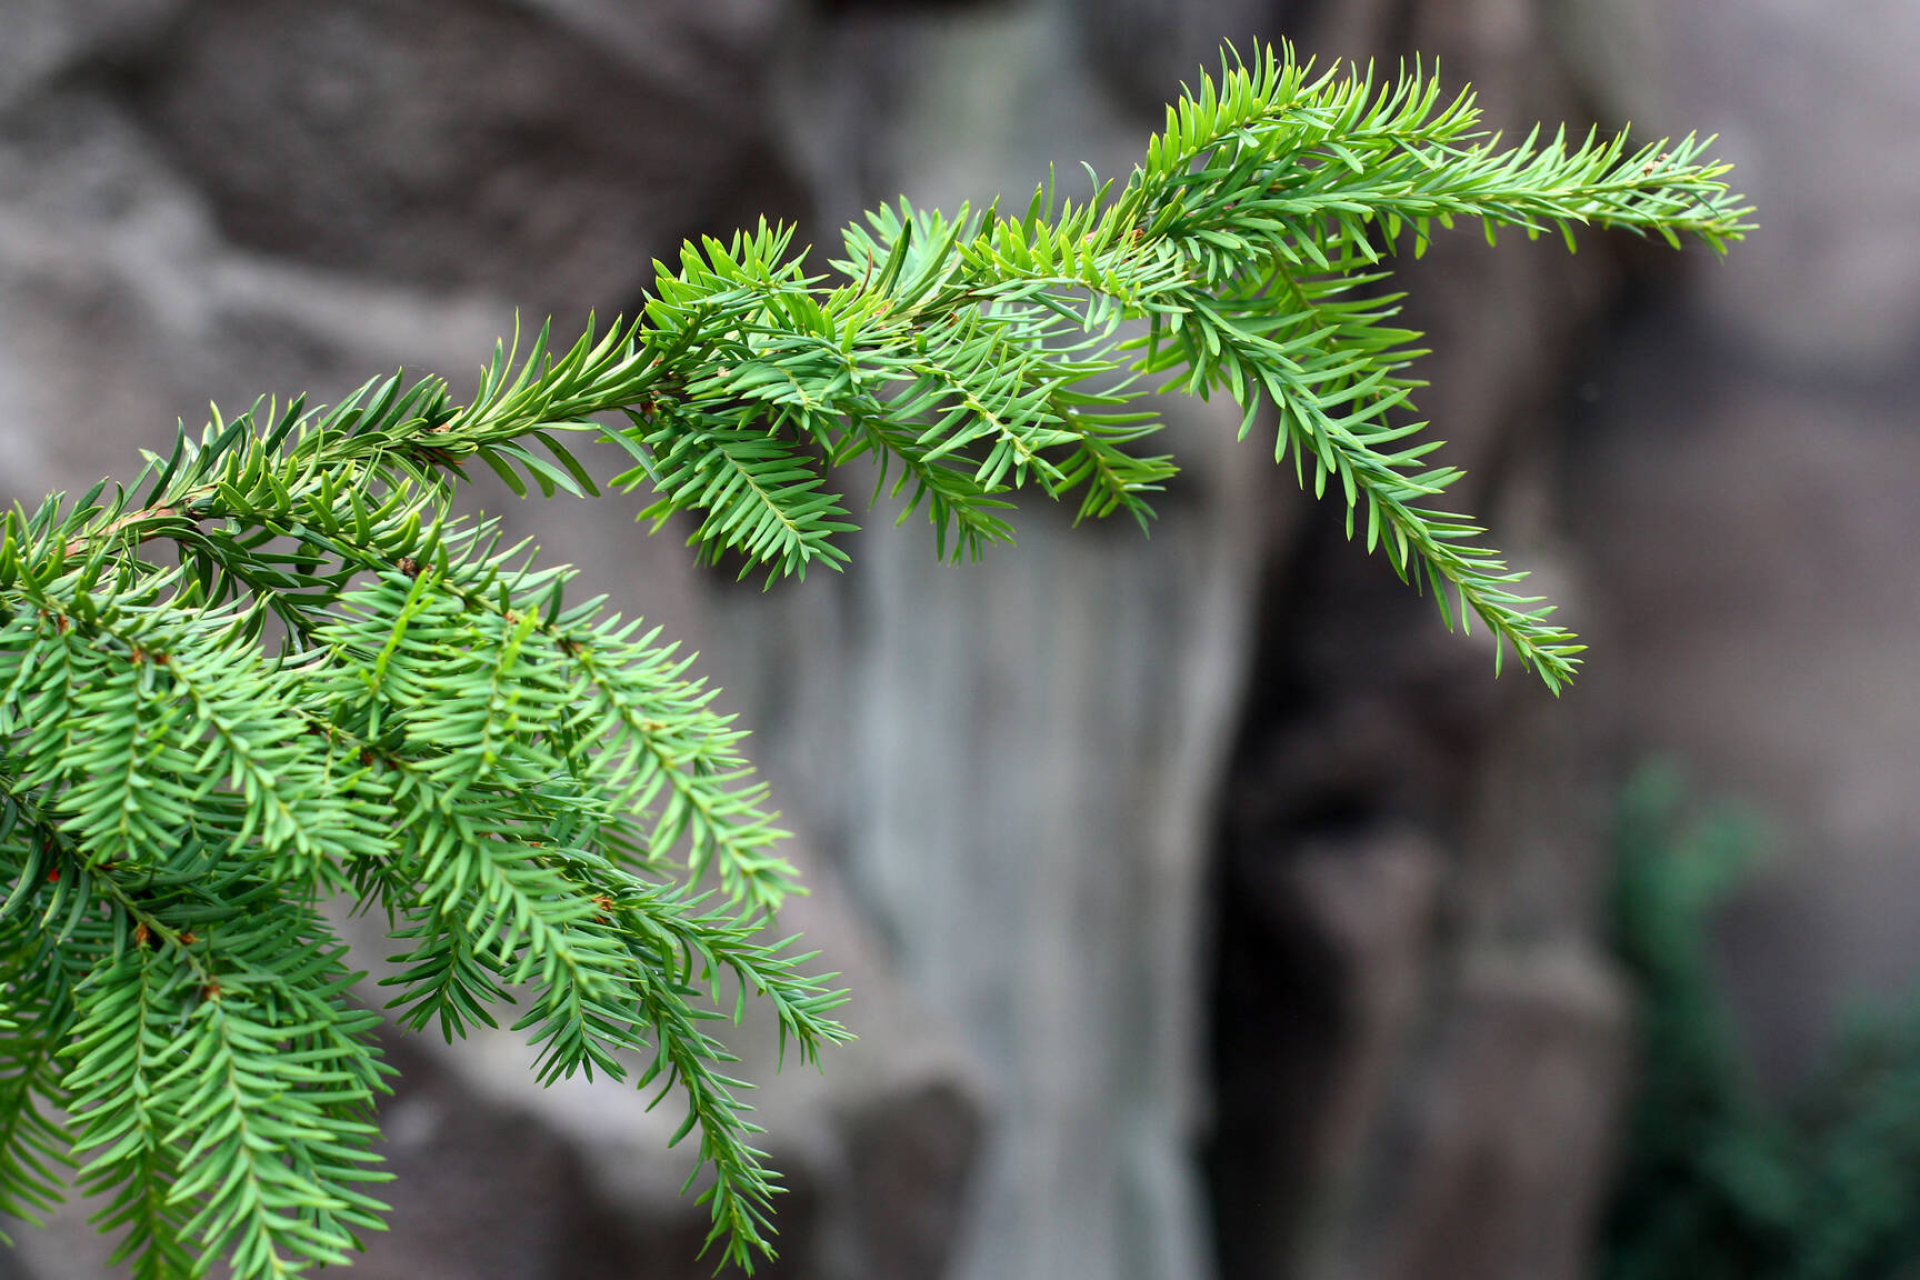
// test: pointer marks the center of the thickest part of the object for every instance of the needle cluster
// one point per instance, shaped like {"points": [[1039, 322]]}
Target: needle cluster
{"points": [[276, 671]]}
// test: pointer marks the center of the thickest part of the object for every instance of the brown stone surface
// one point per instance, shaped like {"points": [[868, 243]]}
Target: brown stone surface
{"points": [[1495, 1164]]}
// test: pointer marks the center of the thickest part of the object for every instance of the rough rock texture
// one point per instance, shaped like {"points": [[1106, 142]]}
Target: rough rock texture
{"points": [[534, 152], [47, 38]]}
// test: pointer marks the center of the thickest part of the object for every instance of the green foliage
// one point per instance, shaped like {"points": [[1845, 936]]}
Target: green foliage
{"points": [[1719, 1180], [325, 687]]}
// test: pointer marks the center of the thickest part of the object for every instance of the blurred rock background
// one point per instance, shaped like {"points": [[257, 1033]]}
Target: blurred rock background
{"points": [[1212, 912]]}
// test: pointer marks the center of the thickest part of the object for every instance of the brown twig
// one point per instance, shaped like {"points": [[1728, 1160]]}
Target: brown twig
{"points": [[79, 545]]}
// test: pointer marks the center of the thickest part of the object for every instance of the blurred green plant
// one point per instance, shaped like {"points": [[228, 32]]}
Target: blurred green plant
{"points": [[1720, 1181], [431, 729]]}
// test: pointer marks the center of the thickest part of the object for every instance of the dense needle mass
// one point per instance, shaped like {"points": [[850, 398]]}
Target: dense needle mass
{"points": [[523, 784]]}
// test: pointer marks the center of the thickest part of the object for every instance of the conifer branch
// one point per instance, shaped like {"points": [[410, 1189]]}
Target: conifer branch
{"points": [[529, 786]]}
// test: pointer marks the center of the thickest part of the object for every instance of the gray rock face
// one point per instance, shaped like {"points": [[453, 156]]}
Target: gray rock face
{"points": [[471, 143], [1034, 740], [1743, 483], [1816, 103], [46, 38], [123, 307]]}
